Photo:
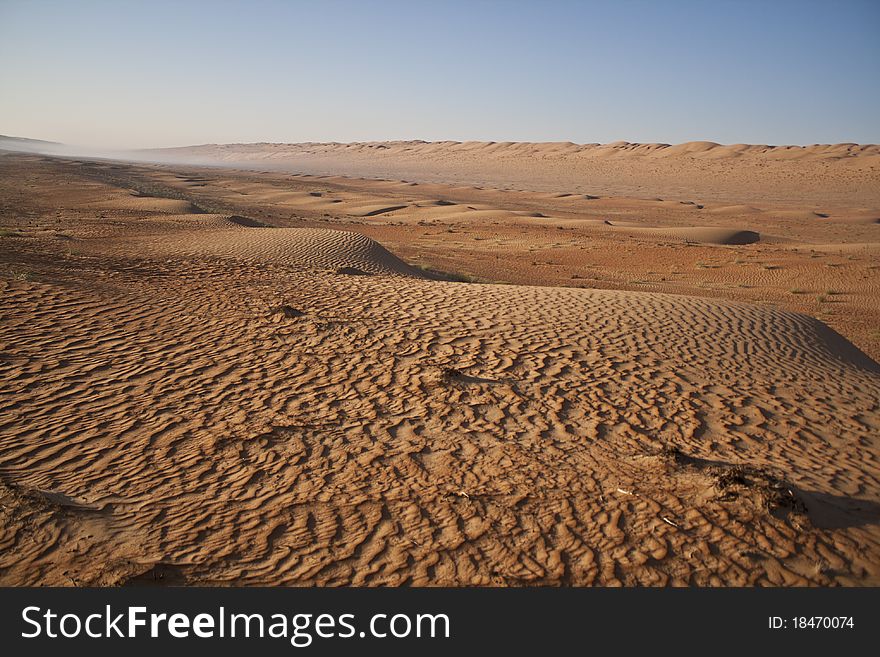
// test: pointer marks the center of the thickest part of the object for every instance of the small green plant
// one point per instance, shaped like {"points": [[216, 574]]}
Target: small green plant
{"points": [[797, 290], [822, 298]]}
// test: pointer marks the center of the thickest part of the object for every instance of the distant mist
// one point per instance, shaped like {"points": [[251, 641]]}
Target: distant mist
{"points": [[57, 149]]}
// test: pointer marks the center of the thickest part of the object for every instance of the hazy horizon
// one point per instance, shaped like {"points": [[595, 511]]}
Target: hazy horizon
{"points": [[129, 75], [85, 148]]}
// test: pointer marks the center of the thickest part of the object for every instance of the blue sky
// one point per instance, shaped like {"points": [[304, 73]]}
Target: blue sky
{"points": [[119, 74]]}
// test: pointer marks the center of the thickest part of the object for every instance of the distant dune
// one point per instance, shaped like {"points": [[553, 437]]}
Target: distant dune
{"points": [[701, 170], [416, 148], [731, 174], [25, 145]]}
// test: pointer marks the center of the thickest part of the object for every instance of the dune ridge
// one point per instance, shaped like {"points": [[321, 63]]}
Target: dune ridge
{"points": [[502, 149], [705, 170]]}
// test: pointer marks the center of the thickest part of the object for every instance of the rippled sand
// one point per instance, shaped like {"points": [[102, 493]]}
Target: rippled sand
{"points": [[191, 397]]}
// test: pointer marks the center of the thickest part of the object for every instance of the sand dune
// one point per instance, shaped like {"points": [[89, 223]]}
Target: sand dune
{"points": [[337, 475], [615, 149], [187, 397], [555, 238], [693, 234], [822, 172], [295, 248]]}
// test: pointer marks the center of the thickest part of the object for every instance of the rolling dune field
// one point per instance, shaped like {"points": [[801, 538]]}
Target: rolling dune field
{"points": [[476, 364]]}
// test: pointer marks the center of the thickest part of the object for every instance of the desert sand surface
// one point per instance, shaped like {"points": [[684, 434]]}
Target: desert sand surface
{"points": [[491, 367]]}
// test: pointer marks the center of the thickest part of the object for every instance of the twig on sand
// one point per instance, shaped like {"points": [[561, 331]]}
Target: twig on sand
{"points": [[669, 522]]}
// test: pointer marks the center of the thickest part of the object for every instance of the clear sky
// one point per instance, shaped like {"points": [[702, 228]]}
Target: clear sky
{"points": [[120, 73]]}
